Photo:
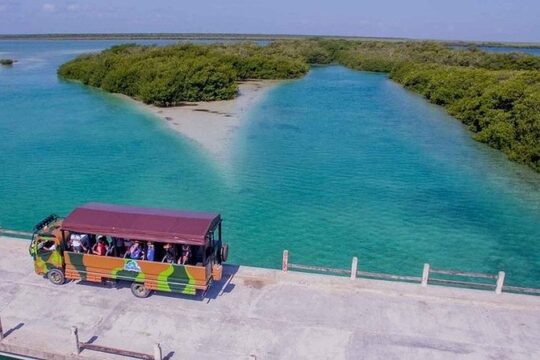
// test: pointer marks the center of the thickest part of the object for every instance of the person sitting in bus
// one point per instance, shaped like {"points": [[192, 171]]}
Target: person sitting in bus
{"points": [[110, 246], [76, 244], [186, 254], [117, 247], [150, 252], [127, 245], [49, 245], [100, 248], [135, 251], [170, 254], [85, 242]]}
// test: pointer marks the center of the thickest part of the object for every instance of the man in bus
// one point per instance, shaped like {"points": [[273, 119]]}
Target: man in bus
{"points": [[85, 242], [150, 251], [170, 253], [76, 244]]}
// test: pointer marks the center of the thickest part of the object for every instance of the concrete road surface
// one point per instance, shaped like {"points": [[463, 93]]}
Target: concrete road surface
{"points": [[265, 314]]}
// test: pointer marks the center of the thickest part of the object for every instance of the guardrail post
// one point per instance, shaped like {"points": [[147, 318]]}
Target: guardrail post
{"points": [[354, 267], [75, 332], [1, 331], [500, 282], [425, 275], [285, 263], [157, 352]]}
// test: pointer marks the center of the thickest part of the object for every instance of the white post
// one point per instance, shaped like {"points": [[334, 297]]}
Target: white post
{"points": [[75, 333], [285, 263], [1, 331], [500, 282], [157, 352], [354, 267], [425, 275]]}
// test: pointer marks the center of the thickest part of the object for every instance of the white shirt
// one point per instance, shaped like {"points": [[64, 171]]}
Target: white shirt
{"points": [[75, 240]]}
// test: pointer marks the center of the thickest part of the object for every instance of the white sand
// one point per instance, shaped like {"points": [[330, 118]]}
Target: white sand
{"points": [[213, 124]]}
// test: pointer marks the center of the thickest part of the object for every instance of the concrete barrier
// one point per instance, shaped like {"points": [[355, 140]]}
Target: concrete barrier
{"points": [[354, 273]]}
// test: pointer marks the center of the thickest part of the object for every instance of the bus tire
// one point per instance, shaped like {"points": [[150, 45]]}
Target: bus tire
{"points": [[224, 252], [139, 290], [56, 276]]}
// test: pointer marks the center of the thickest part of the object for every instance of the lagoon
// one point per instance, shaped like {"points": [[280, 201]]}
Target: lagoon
{"points": [[338, 164]]}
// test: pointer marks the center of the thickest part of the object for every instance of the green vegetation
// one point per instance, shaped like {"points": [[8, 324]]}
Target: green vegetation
{"points": [[496, 95], [166, 76], [6, 62], [502, 107]]}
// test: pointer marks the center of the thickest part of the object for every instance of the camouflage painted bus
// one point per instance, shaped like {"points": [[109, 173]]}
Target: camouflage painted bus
{"points": [[200, 233]]}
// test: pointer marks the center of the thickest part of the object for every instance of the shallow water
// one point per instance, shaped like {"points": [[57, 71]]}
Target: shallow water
{"points": [[337, 164], [506, 49]]}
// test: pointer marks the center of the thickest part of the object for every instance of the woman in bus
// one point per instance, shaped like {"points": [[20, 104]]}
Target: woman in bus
{"points": [[135, 251], [100, 248], [186, 254]]}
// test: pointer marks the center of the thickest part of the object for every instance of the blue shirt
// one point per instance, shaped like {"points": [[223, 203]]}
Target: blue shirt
{"points": [[151, 253]]}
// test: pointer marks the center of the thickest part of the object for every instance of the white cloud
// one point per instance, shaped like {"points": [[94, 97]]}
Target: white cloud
{"points": [[49, 8], [73, 7], [3, 7]]}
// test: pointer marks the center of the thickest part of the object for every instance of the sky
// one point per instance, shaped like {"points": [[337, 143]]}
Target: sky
{"points": [[492, 20]]}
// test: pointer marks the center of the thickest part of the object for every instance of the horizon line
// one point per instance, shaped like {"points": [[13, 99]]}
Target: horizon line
{"points": [[258, 36]]}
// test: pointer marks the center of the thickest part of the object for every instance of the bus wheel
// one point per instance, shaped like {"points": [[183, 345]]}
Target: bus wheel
{"points": [[56, 276], [139, 290], [224, 252]]}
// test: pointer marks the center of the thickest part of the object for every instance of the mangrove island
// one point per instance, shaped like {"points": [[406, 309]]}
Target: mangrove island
{"points": [[496, 95]]}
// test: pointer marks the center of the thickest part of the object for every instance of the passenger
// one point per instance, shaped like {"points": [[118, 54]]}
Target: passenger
{"points": [[117, 245], [110, 246], [49, 245], [135, 251], [150, 252], [85, 242], [127, 245], [186, 254], [170, 253], [100, 248], [76, 244]]}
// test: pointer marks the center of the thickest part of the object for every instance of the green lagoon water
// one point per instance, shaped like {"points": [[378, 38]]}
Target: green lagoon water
{"points": [[338, 164]]}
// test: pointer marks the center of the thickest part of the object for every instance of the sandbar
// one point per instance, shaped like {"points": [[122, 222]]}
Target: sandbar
{"points": [[213, 124]]}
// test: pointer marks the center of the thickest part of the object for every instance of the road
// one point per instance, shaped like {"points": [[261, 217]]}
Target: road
{"points": [[265, 314]]}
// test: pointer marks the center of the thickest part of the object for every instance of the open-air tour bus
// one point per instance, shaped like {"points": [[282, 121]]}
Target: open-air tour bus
{"points": [[154, 249]]}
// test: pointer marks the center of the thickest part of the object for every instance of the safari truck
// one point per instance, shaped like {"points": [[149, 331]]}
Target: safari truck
{"points": [[153, 249]]}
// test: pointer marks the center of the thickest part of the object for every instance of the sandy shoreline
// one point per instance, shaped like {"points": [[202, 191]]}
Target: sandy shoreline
{"points": [[213, 124]]}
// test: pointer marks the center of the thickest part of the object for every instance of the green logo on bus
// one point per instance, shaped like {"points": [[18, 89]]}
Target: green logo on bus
{"points": [[131, 265]]}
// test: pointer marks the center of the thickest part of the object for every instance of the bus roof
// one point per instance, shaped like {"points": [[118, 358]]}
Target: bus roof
{"points": [[139, 223]]}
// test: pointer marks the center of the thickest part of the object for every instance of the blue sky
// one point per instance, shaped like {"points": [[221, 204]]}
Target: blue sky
{"points": [[504, 20]]}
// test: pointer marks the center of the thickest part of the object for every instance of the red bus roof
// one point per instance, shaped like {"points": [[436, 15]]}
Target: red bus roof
{"points": [[139, 223]]}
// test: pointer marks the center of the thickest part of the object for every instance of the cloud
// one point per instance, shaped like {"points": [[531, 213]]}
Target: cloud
{"points": [[49, 8], [3, 7], [73, 7]]}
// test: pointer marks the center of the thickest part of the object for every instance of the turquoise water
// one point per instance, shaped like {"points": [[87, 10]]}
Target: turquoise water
{"points": [[335, 165], [506, 49]]}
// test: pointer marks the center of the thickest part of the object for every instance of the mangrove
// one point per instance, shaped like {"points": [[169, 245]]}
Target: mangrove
{"points": [[7, 62], [496, 95]]}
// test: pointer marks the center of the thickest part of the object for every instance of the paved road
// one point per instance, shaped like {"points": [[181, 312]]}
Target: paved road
{"points": [[267, 314]]}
